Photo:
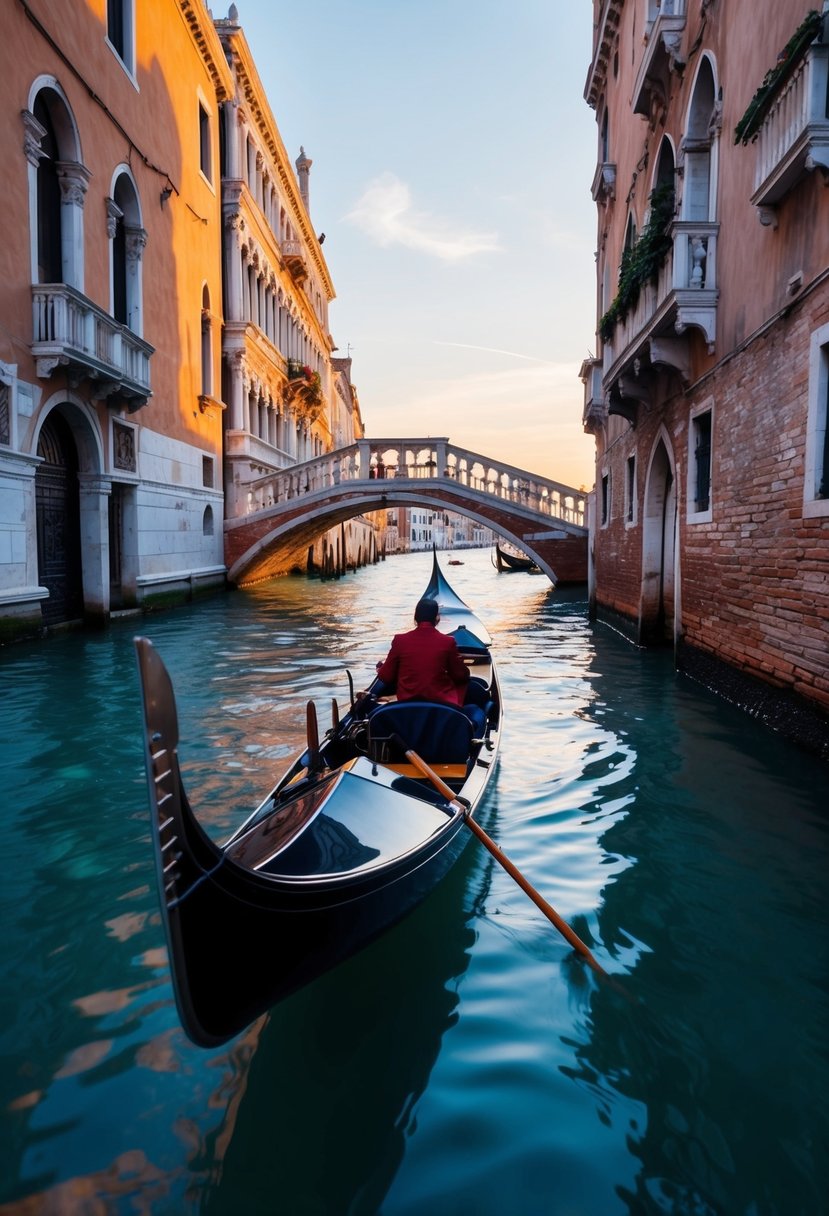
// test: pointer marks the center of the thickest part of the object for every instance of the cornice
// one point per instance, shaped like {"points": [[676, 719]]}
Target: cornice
{"points": [[250, 85], [607, 33], [204, 35]]}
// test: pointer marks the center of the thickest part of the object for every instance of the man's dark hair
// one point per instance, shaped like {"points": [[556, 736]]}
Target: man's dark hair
{"points": [[426, 610]]}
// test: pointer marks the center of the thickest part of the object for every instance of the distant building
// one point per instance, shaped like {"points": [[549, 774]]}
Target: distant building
{"points": [[414, 529], [110, 310], [708, 395]]}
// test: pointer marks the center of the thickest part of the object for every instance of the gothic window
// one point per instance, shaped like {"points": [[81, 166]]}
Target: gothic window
{"points": [[665, 167]]}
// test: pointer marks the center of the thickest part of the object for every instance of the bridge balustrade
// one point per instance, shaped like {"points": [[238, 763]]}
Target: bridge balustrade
{"points": [[417, 460]]}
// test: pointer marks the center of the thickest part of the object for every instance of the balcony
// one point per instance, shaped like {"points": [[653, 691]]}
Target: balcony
{"points": [[794, 136], [604, 182], [683, 296], [293, 255], [594, 415], [73, 333], [663, 36]]}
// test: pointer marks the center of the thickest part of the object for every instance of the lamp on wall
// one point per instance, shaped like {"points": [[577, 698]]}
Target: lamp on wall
{"points": [[165, 194]]}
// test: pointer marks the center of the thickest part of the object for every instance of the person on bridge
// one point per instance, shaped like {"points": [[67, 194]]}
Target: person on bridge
{"points": [[425, 664]]}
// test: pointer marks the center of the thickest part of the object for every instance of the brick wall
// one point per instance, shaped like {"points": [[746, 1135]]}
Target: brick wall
{"points": [[755, 579]]}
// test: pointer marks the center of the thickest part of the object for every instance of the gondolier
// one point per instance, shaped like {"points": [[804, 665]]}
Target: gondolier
{"points": [[424, 664]]}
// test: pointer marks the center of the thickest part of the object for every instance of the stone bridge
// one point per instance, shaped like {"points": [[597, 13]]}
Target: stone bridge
{"points": [[284, 511]]}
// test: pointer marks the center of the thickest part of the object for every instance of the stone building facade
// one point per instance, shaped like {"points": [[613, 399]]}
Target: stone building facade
{"points": [[110, 309], [289, 399], [164, 335], [708, 394]]}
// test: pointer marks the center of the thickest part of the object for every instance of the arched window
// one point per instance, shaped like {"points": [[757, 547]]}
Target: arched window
{"points": [[206, 345], [49, 269], [665, 166], [128, 240], [57, 184], [207, 522], [699, 189]]}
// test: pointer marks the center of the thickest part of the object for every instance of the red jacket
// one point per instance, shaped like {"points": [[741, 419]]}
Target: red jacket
{"points": [[426, 664]]}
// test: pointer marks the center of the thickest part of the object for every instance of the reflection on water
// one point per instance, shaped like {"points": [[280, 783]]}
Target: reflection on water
{"points": [[465, 1062]]}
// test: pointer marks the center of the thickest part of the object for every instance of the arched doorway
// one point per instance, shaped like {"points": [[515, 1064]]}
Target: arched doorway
{"points": [[57, 496], [656, 615]]}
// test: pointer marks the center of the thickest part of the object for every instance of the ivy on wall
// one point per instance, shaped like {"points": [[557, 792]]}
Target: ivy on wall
{"points": [[792, 54], [642, 261]]}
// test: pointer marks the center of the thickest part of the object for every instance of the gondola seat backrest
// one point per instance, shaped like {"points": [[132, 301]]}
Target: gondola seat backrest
{"points": [[440, 734]]}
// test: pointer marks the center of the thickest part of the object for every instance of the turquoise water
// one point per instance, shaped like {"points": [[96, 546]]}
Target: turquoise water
{"points": [[466, 1063]]}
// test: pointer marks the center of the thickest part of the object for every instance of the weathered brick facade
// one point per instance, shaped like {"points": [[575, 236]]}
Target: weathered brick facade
{"points": [[708, 400]]}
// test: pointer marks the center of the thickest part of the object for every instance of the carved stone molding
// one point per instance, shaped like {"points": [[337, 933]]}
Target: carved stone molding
{"points": [[33, 133], [114, 214], [135, 244], [123, 447], [74, 181]]}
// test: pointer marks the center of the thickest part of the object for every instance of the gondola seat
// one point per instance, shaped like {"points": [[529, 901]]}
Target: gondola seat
{"points": [[438, 733]]}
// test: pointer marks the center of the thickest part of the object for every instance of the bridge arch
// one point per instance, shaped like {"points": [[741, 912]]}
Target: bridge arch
{"points": [[290, 508]]}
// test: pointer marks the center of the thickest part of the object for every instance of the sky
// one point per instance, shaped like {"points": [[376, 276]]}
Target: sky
{"points": [[452, 154]]}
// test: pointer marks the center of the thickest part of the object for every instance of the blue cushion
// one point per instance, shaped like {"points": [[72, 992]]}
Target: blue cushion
{"points": [[438, 733]]}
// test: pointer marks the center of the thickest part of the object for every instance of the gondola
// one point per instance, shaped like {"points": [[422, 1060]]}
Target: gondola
{"points": [[509, 563], [351, 839]]}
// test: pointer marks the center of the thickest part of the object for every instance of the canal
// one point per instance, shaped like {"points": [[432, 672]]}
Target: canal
{"points": [[466, 1063]]}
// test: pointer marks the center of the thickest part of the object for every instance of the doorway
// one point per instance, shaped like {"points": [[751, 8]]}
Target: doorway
{"points": [[656, 616], [57, 498]]}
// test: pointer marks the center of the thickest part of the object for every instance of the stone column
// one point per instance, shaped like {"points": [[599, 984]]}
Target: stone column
{"points": [[94, 501], [74, 180]]}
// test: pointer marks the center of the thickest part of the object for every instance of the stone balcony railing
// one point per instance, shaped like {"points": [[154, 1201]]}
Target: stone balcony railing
{"points": [[293, 254], [72, 332], [794, 137], [419, 460], [684, 295]]}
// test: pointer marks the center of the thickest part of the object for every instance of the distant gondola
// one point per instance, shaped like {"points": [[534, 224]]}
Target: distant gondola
{"points": [[352, 837], [509, 563]]}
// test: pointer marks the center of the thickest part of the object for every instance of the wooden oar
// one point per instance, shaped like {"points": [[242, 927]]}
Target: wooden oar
{"points": [[499, 855]]}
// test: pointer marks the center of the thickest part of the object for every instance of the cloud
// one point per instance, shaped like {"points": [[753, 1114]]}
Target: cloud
{"points": [[385, 213]]}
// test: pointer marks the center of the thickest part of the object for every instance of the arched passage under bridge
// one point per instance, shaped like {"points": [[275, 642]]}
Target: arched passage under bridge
{"points": [[286, 510]]}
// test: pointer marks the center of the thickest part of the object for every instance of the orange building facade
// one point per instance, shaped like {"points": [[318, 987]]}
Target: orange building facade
{"points": [[110, 309], [164, 338], [708, 395]]}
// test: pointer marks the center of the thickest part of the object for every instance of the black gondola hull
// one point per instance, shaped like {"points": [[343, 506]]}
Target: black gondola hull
{"points": [[346, 845], [240, 942]]}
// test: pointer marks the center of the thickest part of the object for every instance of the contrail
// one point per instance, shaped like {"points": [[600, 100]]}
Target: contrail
{"points": [[492, 350]]}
